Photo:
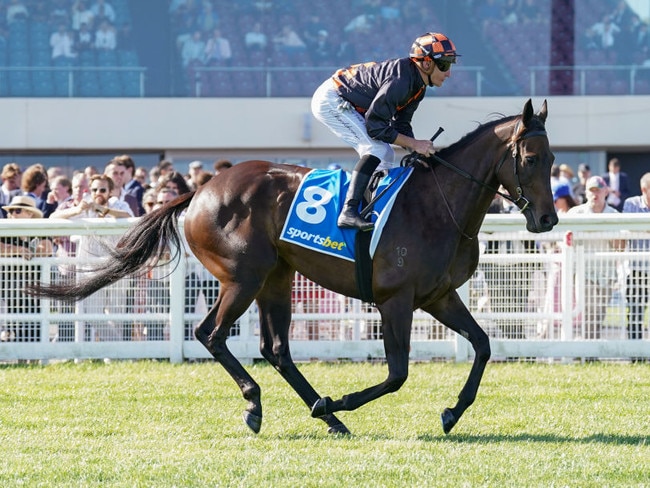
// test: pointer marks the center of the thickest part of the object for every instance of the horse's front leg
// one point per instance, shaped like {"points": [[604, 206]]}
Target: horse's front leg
{"points": [[453, 313], [397, 316]]}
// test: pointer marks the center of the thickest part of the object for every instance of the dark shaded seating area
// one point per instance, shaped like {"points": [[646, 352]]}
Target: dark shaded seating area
{"points": [[522, 45]]}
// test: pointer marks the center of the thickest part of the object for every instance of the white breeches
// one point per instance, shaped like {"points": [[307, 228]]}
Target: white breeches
{"points": [[348, 124]]}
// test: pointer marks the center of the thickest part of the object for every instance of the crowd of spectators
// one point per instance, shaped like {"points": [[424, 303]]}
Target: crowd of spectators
{"points": [[602, 41], [120, 190], [288, 33], [74, 25], [618, 36], [219, 33], [282, 33]]}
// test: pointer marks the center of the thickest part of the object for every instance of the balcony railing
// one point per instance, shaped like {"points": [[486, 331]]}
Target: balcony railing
{"points": [[591, 80], [277, 81], [73, 81]]}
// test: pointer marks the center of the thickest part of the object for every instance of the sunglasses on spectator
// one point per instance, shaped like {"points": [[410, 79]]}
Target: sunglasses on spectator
{"points": [[15, 211], [100, 190]]}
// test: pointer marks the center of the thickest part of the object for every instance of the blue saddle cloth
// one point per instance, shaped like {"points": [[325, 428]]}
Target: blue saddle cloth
{"points": [[311, 221]]}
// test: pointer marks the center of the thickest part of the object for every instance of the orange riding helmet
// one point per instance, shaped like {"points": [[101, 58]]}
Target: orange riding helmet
{"points": [[435, 46]]}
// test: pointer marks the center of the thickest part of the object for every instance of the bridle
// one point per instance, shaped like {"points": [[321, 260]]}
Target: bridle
{"points": [[521, 201], [513, 148]]}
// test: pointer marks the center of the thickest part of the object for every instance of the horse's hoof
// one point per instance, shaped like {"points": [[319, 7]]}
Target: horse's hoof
{"points": [[253, 421], [338, 429], [321, 407], [448, 420]]}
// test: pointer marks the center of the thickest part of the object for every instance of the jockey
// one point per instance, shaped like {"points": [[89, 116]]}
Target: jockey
{"points": [[370, 106]]}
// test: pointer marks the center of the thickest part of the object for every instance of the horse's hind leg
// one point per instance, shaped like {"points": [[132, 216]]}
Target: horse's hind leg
{"points": [[212, 332], [274, 302], [452, 312], [396, 317]]}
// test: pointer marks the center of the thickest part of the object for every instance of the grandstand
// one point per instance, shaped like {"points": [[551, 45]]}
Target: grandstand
{"points": [[544, 53]]}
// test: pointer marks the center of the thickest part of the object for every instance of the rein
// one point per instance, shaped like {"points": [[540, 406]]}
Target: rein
{"points": [[521, 202], [410, 159]]}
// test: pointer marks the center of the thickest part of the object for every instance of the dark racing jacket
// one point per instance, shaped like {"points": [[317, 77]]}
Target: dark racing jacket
{"points": [[386, 93]]}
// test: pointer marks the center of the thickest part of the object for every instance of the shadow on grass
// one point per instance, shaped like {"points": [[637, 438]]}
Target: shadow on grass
{"points": [[607, 439], [613, 439]]}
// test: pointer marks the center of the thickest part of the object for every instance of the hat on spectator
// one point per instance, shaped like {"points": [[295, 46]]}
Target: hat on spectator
{"points": [[561, 190], [595, 182], [196, 165], [25, 203], [583, 167]]}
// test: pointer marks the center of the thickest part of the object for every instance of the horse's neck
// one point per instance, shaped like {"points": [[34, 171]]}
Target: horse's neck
{"points": [[469, 200]]}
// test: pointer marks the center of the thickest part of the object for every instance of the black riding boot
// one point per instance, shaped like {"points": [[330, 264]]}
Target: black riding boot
{"points": [[349, 217]]}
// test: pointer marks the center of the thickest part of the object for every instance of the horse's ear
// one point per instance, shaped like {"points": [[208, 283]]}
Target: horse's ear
{"points": [[528, 113], [543, 112]]}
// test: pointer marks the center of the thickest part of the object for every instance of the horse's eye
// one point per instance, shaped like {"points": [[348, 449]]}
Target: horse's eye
{"points": [[530, 160]]}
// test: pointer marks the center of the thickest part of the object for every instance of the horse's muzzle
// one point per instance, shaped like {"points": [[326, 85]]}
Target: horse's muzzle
{"points": [[545, 223]]}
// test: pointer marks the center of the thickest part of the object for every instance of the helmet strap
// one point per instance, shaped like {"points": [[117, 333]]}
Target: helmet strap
{"points": [[429, 80]]}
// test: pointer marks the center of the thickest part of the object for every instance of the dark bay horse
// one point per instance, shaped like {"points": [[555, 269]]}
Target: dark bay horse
{"points": [[428, 249]]}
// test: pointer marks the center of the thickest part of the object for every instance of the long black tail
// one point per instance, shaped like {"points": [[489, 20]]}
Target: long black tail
{"points": [[140, 247]]}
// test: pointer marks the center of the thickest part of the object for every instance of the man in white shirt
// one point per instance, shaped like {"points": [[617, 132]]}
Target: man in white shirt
{"points": [[607, 31], [62, 43], [193, 49], [116, 171], [105, 37], [109, 300], [600, 276], [256, 38], [217, 49]]}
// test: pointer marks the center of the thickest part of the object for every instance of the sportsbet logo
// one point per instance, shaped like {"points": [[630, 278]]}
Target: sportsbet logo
{"points": [[317, 239]]}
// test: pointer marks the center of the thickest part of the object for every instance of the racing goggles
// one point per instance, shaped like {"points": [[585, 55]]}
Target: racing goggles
{"points": [[444, 62]]}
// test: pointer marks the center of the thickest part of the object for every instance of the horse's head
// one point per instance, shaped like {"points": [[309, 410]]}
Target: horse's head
{"points": [[528, 178]]}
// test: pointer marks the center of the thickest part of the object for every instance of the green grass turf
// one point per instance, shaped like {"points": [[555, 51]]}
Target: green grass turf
{"points": [[154, 424]]}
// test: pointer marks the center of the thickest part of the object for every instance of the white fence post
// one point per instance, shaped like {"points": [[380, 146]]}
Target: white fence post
{"points": [[568, 288], [177, 294]]}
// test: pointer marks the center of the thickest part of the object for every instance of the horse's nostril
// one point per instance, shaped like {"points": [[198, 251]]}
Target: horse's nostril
{"points": [[549, 221]]}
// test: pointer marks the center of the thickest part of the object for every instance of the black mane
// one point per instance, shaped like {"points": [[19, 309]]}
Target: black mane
{"points": [[470, 137]]}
